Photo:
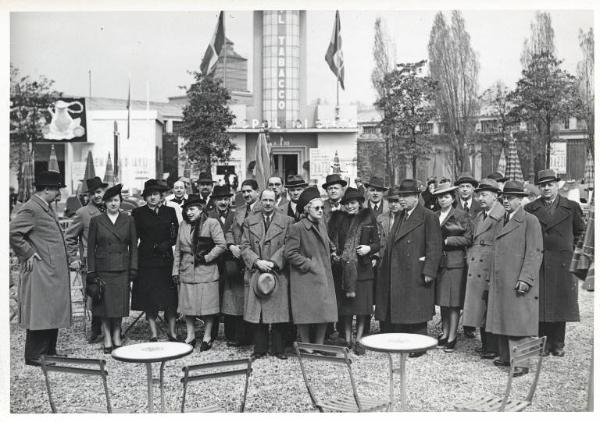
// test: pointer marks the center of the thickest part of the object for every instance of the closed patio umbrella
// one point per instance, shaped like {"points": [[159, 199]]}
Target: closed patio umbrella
{"points": [[109, 176], [588, 175], [27, 178], [263, 161], [501, 168], [513, 165]]}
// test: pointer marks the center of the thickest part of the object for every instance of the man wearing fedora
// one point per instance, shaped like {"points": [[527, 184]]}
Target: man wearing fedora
{"points": [[266, 278], [276, 185], [375, 190], [486, 224], [499, 178], [562, 225], [513, 305], [44, 282], [334, 186], [205, 186], [76, 237], [385, 221], [405, 291], [295, 185]]}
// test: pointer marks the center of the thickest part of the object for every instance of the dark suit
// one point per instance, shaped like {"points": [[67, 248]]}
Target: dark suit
{"points": [[473, 210]]}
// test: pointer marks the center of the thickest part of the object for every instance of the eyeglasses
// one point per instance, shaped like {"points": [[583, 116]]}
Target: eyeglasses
{"points": [[318, 207]]}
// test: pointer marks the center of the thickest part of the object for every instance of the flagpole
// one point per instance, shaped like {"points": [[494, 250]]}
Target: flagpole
{"points": [[337, 103], [116, 148], [90, 81]]}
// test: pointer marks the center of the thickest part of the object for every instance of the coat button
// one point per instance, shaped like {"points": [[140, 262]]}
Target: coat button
{"points": [[469, 274], [482, 243], [472, 259]]}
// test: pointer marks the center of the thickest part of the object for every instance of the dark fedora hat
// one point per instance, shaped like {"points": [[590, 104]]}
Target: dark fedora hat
{"points": [[49, 179], [205, 177], [266, 284], [295, 181], [393, 193], [95, 183], [466, 178], [112, 192], [193, 200], [352, 194], [306, 196], [547, 175], [498, 177], [153, 185], [221, 192], [376, 182], [489, 185], [514, 188], [408, 186], [444, 187], [332, 179]]}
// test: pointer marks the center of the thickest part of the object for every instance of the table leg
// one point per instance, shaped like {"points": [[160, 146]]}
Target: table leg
{"points": [[391, 406], [162, 389], [149, 373], [403, 381]]}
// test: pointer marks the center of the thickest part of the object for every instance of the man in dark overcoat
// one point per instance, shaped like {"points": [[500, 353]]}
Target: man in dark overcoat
{"points": [[562, 225], [513, 305], [76, 237], [44, 280], [334, 186], [375, 192], [405, 289], [295, 185]]}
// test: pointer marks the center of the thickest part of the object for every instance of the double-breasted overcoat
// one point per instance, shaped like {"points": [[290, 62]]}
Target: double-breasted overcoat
{"points": [[517, 257], [308, 251], [45, 292], [558, 287], [412, 252], [266, 245], [76, 235]]}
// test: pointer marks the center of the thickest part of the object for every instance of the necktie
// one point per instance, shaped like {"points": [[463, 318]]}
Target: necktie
{"points": [[506, 218], [248, 209], [466, 206], [267, 222], [392, 218], [375, 208]]}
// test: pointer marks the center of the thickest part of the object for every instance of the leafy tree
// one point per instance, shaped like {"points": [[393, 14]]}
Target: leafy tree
{"points": [[541, 39], [408, 106], [544, 95], [205, 122], [496, 97], [585, 85], [454, 65]]}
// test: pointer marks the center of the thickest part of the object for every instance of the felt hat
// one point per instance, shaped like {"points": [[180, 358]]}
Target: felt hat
{"points": [[547, 175], [153, 185], [466, 178], [266, 283], [352, 194], [443, 188], [376, 182], [95, 183], [514, 188], [489, 185], [295, 181], [112, 192], [498, 177], [221, 192], [408, 186], [49, 179], [393, 193], [306, 196], [193, 200], [205, 178], [332, 179]]}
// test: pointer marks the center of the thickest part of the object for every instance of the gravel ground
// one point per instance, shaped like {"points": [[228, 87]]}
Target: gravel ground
{"points": [[435, 381]]}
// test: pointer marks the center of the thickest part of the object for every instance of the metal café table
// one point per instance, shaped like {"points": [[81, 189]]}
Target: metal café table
{"points": [[402, 344], [150, 353]]}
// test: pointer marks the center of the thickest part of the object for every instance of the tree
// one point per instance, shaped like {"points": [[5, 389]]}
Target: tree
{"points": [[205, 122], [407, 108], [541, 39], [544, 95], [496, 98], [454, 65], [585, 85], [29, 102]]}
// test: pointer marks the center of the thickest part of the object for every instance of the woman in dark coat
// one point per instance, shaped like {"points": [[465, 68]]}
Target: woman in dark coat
{"points": [[356, 238], [450, 285], [112, 261], [154, 290], [308, 252]]}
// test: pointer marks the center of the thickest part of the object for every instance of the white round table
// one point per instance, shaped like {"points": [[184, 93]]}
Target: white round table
{"points": [[150, 353], [403, 344]]}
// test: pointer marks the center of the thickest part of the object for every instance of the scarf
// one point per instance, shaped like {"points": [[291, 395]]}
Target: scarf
{"points": [[349, 255]]}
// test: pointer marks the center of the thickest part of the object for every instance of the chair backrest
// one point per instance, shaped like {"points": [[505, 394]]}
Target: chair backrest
{"points": [[74, 366], [220, 369], [521, 355], [329, 354]]}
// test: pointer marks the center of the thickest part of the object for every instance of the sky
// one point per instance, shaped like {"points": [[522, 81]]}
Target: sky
{"points": [[159, 47]]}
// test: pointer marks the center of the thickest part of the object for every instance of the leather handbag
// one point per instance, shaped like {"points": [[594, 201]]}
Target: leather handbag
{"points": [[94, 288]]}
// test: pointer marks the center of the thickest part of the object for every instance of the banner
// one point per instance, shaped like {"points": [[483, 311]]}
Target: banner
{"points": [[66, 121], [558, 157]]}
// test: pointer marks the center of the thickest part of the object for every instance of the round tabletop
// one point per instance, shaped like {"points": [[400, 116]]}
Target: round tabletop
{"points": [[398, 342], [152, 352]]}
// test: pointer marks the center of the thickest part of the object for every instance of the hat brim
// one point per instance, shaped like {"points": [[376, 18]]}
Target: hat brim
{"points": [[489, 189], [354, 198], [473, 182], [523, 194], [368, 185], [193, 203], [101, 185], [407, 192], [443, 191], [301, 185], [337, 182], [206, 181], [261, 291], [46, 185], [547, 179]]}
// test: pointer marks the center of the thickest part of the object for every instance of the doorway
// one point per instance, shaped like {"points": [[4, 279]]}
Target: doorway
{"points": [[285, 165]]}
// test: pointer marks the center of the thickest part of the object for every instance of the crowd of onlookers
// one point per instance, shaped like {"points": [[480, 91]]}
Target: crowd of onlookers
{"points": [[289, 262]]}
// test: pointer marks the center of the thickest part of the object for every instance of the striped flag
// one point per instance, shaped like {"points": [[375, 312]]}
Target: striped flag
{"points": [[263, 161], [334, 56], [214, 48], [129, 110]]}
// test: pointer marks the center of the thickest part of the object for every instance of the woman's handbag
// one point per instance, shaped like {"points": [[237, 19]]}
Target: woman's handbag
{"points": [[94, 288]]}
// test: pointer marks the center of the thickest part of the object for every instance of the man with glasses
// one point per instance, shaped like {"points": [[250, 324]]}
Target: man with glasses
{"points": [[295, 186], [562, 225], [276, 185]]}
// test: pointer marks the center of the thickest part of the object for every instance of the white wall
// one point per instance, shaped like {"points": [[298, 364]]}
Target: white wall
{"points": [[346, 146]]}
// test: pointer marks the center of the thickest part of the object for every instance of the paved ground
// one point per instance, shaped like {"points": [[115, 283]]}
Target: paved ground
{"points": [[436, 381]]}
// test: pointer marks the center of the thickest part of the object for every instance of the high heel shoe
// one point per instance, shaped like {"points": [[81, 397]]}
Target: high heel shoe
{"points": [[191, 343], [441, 341], [449, 347], [153, 339], [171, 338], [108, 350], [204, 346]]}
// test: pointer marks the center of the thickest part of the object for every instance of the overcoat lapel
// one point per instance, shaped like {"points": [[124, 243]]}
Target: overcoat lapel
{"points": [[275, 227], [415, 220], [513, 224], [113, 228], [310, 226], [450, 214]]}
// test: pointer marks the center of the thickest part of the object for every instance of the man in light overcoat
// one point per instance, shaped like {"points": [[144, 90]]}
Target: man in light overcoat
{"points": [[44, 284]]}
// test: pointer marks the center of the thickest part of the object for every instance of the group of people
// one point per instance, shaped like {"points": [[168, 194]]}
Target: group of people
{"points": [[287, 262]]}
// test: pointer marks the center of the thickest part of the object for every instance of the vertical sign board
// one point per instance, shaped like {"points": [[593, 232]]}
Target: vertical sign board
{"points": [[320, 164], [558, 157], [281, 69]]}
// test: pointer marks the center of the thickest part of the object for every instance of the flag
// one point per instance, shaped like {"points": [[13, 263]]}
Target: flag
{"points": [[129, 110], [214, 48], [334, 56], [263, 161]]}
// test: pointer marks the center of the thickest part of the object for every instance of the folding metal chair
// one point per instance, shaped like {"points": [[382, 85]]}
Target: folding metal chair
{"points": [[204, 371], [81, 299], [522, 355], [95, 368], [336, 355]]}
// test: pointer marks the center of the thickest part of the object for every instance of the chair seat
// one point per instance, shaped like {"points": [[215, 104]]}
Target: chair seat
{"points": [[101, 410], [492, 404], [348, 404], [207, 409]]}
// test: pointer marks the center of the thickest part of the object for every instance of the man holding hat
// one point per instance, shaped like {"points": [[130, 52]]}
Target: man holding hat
{"points": [[375, 191], [295, 186], [513, 306], [76, 236], [466, 200], [562, 225], [486, 224], [44, 285], [205, 186], [334, 186], [405, 289]]}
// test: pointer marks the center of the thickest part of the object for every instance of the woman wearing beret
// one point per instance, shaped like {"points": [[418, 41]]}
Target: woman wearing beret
{"points": [[153, 290], [308, 251], [457, 235], [199, 243], [112, 262], [356, 238]]}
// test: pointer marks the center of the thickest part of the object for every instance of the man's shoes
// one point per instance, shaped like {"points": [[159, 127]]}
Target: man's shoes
{"points": [[489, 355], [281, 356], [37, 362], [416, 354], [499, 362], [479, 350], [205, 345], [94, 338], [359, 349], [469, 332], [58, 355], [559, 351], [257, 355], [519, 371]]}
